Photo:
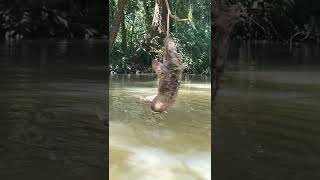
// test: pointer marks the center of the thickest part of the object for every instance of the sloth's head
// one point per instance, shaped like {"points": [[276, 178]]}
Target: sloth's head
{"points": [[159, 104]]}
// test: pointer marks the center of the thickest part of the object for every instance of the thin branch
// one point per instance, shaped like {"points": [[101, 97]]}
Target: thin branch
{"points": [[293, 36], [168, 18], [274, 29], [177, 18], [310, 30], [173, 17], [256, 23], [168, 7]]}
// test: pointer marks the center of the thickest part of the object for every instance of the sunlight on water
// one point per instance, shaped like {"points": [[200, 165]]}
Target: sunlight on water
{"points": [[145, 146], [199, 86], [147, 162]]}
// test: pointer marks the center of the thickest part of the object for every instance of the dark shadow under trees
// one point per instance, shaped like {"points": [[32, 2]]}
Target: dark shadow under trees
{"points": [[53, 19]]}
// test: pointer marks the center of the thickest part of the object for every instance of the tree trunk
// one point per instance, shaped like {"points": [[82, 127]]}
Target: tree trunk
{"points": [[147, 13], [224, 19], [132, 33], [157, 31], [123, 36], [159, 21], [119, 15]]}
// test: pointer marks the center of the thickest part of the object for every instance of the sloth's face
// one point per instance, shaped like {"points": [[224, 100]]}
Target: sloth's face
{"points": [[159, 104]]}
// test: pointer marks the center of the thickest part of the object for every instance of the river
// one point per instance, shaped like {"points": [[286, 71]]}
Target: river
{"points": [[172, 145], [48, 96], [267, 124]]}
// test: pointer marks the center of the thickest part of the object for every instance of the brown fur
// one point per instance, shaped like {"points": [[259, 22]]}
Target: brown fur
{"points": [[169, 73]]}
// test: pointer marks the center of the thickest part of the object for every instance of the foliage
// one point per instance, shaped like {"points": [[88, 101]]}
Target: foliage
{"points": [[42, 20], [192, 39], [279, 20], [272, 20]]}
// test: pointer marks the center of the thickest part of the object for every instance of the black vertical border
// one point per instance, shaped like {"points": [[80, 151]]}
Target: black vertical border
{"points": [[212, 74], [107, 85]]}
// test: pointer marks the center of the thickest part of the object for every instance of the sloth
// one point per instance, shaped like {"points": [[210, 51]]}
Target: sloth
{"points": [[169, 73]]}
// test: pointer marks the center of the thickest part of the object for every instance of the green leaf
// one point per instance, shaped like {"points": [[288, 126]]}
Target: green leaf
{"points": [[190, 15], [193, 26]]}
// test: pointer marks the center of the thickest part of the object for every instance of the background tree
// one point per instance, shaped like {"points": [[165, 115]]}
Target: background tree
{"points": [[225, 17], [118, 19], [146, 29], [287, 21], [52, 18]]}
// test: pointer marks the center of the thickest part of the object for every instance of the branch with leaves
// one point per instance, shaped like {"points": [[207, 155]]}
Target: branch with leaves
{"points": [[170, 15]]}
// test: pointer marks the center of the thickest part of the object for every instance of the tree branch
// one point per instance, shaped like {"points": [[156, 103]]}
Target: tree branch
{"points": [[173, 17], [177, 18], [119, 14]]}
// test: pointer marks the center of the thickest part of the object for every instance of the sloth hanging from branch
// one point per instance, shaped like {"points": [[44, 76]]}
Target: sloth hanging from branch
{"points": [[169, 69]]}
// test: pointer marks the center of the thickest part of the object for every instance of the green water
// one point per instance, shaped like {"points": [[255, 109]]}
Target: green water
{"points": [[49, 130], [173, 145], [267, 124]]}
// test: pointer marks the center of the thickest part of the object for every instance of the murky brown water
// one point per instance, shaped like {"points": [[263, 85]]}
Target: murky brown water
{"points": [[176, 145], [267, 124], [268, 119], [48, 95]]}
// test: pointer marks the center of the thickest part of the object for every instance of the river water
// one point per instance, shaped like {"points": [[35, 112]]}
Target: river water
{"points": [[48, 96], [173, 145], [267, 124]]}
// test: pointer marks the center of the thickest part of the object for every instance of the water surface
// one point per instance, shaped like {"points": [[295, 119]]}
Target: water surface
{"points": [[173, 145], [267, 124], [48, 95]]}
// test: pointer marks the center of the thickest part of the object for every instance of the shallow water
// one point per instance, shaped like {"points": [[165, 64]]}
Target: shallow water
{"points": [[173, 145], [48, 95], [267, 124]]}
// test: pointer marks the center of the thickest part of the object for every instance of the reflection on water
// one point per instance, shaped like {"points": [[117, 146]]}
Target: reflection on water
{"points": [[48, 127], [268, 119], [142, 145]]}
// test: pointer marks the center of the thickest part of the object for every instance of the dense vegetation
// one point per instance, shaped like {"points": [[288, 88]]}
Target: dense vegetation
{"points": [[280, 20], [52, 18], [286, 21], [131, 51]]}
